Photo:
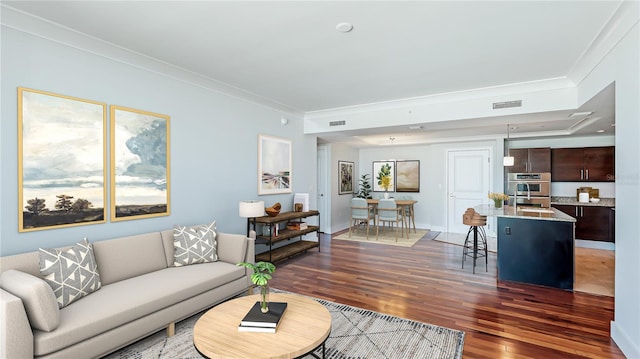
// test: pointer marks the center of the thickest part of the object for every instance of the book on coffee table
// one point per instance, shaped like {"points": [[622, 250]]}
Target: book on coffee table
{"points": [[256, 319], [242, 328]]}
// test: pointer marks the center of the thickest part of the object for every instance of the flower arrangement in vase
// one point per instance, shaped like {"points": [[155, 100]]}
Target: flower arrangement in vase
{"points": [[498, 198], [260, 277]]}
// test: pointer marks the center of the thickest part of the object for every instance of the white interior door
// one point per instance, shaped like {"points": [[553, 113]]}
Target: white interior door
{"points": [[323, 198], [468, 182]]}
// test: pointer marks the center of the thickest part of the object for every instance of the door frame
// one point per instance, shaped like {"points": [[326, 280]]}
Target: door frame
{"points": [[323, 197]]}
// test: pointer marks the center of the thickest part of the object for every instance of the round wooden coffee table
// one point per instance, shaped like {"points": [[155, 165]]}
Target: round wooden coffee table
{"points": [[305, 326]]}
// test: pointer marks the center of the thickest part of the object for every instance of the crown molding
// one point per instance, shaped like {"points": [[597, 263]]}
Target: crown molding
{"points": [[21, 21], [498, 93], [621, 22]]}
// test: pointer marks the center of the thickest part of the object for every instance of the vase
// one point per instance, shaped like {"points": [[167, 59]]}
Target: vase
{"points": [[386, 195], [497, 203], [264, 298]]}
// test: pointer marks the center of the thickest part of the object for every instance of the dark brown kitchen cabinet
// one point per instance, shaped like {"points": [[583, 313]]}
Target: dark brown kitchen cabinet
{"points": [[588, 164], [530, 160], [592, 222]]}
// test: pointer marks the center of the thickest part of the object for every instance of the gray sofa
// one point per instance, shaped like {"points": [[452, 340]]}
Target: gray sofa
{"points": [[142, 293]]}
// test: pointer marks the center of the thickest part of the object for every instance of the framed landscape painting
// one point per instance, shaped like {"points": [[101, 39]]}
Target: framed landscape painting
{"points": [[381, 168], [345, 177], [61, 161], [408, 176], [274, 165], [140, 166]]}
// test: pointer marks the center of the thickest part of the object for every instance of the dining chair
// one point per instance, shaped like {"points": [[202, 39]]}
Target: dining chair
{"points": [[389, 212], [361, 211]]}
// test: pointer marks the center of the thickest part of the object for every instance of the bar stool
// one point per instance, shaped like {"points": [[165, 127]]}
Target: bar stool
{"points": [[475, 249]]}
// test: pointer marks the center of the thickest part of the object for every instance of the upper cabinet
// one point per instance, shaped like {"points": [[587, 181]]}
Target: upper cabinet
{"points": [[530, 160], [588, 164]]}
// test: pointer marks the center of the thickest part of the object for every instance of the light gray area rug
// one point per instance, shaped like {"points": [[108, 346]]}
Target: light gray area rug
{"points": [[355, 333]]}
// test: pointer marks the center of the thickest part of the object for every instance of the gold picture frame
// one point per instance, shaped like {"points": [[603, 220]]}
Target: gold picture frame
{"points": [[140, 164], [62, 146]]}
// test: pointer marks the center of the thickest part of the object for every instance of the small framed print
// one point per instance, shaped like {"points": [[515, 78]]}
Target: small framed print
{"points": [[345, 177], [383, 169], [274, 165], [408, 176]]}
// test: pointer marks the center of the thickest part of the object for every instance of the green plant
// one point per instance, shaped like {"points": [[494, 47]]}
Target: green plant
{"points": [[365, 187], [260, 277]]}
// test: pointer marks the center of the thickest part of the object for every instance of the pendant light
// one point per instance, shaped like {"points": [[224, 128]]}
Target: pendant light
{"points": [[508, 160]]}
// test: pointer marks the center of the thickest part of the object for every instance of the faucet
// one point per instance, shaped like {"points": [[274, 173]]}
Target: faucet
{"points": [[515, 194]]}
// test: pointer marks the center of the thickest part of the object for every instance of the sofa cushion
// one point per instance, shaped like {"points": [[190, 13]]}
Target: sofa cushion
{"points": [[71, 273], [131, 299], [37, 296], [131, 256], [195, 244]]}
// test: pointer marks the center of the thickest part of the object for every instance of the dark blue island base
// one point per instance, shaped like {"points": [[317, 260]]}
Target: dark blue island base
{"points": [[537, 252]]}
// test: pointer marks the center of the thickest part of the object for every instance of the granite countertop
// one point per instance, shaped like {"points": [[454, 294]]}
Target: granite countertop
{"points": [[524, 212], [604, 202]]}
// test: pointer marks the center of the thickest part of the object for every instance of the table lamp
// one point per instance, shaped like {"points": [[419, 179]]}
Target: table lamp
{"points": [[251, 209]]}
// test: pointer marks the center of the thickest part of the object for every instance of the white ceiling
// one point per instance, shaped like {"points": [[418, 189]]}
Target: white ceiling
{"points": [[290, 53]]}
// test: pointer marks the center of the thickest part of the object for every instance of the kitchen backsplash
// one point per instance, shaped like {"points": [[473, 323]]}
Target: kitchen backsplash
{"points": [[568, 189]]}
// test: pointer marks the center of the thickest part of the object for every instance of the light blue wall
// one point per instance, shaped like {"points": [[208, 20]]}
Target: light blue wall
{"points": [[213, 140]]}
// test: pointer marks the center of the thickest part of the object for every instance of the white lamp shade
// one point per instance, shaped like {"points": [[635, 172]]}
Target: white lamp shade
{"points": [[251, 209], [508, 161]]}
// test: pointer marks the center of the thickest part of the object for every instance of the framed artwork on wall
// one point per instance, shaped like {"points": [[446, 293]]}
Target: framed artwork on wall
{"points": [[61, 160], [140, 164], [345, 177], [408, 176], [382, 170], [275, 165]]}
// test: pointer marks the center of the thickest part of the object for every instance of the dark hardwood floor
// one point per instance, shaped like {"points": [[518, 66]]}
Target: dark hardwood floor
{"points": [[426, 283]]}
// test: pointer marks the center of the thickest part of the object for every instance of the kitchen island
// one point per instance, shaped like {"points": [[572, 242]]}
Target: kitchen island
{"points": [[535, 245]]}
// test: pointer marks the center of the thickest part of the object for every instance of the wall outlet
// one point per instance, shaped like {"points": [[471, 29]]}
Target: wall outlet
{"points": [[507, 230]]}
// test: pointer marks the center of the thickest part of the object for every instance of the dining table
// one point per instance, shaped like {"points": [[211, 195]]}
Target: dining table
{"points": [[406, 206]]}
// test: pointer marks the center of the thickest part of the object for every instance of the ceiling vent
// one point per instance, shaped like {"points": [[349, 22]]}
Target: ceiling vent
{"points": [[507, 104], [337, 123]]}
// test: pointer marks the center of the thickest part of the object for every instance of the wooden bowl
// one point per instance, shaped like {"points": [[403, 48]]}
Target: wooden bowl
{"points": [[272, 212]]}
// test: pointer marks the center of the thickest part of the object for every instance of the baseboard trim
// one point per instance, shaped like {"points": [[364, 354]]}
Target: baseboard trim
{"points": [[628, 347], [595, 245]]}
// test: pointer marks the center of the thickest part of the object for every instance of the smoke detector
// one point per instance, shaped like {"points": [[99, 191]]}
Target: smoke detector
{"points": [[344, 27]]}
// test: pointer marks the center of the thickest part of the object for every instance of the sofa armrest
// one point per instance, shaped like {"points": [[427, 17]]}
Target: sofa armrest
{"points": [[16, 337], [232, 248]]}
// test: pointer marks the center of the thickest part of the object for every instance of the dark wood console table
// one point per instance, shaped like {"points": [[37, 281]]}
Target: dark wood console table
{"points": [[292, 248]]}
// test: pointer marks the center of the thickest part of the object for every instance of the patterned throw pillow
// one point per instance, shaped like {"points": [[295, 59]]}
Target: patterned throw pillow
{"points": [[195, 244], [72, 273]]}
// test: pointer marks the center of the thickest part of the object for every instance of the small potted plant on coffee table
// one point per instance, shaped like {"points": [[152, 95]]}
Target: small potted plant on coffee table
{"points": [[260, 277]]}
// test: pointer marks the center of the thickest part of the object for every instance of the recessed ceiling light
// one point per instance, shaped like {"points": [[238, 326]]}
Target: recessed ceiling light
{"points": [[344, 27], [613, 125], [600, 131], [580, 114]]}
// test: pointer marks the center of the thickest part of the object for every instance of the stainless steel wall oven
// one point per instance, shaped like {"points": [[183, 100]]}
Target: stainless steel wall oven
{"points": [[529, 189]]}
